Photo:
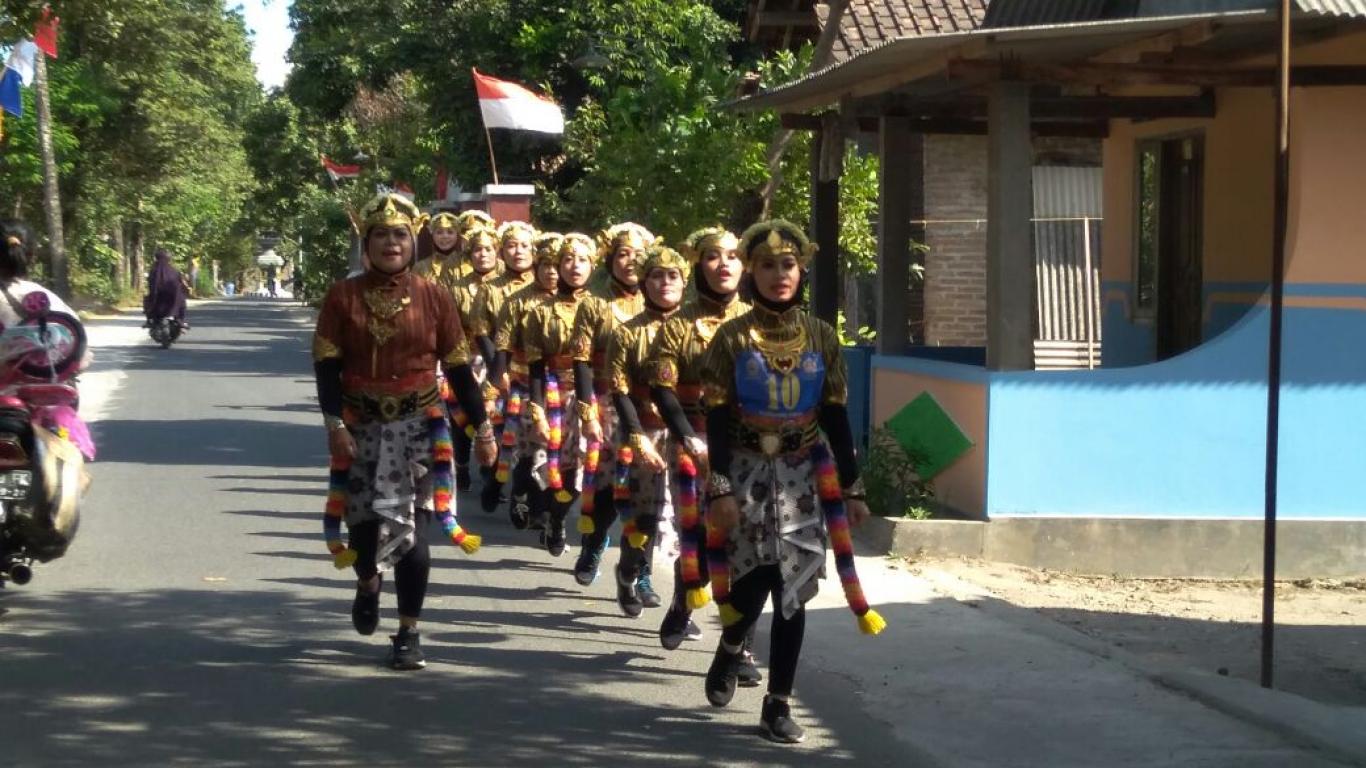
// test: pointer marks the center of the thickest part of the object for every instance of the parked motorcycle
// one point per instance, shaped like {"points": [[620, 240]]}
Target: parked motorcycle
{"points": [[165, 331], [44, 444]]}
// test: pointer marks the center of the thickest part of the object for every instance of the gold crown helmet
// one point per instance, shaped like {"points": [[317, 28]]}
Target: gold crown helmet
{"points": [[445, 219], [776, 237], [511, 229], [390, 210], [704, 240], [627, 233], [579, 239], [480, 234], [468, 219], [660, 256], [547, 247]]}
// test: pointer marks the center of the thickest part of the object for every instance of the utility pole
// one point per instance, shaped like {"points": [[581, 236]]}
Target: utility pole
{"points": [[52, 202]]}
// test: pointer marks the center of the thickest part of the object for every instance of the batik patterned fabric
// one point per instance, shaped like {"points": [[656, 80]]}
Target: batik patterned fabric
{"points": [[390, 478]]}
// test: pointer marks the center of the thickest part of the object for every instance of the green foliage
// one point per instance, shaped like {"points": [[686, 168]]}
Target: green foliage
{"points": [[894, 488]]}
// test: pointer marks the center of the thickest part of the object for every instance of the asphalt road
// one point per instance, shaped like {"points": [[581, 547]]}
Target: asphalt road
{"points": [[198, 620]]}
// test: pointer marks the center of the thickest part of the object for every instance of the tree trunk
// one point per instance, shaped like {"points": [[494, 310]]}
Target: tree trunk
{"points": [[52, 202], [820, 58], [136, 249], [120, 263]]}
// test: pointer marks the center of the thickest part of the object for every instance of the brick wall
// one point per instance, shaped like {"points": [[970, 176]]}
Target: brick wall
{"points": [[955, 230]]}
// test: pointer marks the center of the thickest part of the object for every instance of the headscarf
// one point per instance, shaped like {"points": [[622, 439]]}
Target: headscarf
{"points": [[165, 293]]}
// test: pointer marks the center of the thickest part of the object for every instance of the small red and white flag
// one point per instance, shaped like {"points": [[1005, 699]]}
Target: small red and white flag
{"points": [[45, 33], [338, 171], [509, 105]]}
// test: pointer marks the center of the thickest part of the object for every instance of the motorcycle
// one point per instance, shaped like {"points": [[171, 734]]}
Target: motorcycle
{"points": [[44, 444], [165, 331]]}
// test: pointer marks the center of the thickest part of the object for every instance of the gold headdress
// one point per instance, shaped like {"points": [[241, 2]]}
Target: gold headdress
{"points": [[469, 218], [444, 219], [579, 239], [661, 256], [513, 228], [776, 237], [547, 246], [479, 234], [704, 239], [390, 210], [627, 233]]}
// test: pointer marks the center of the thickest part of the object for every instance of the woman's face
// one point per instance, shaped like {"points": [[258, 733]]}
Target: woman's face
{"points": [[777, 278], [664, 287], [445, 238], [575, 266], [548, 275], [483, 255], [517, 252], [389, 249], [721, 269], [624, 264]]}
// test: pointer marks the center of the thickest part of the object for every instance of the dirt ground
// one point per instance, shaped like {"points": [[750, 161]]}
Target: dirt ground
{"points": [[1213, 626]]}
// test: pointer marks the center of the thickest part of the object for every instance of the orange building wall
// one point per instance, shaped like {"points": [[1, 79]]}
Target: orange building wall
{"points": [[1328, 186]]}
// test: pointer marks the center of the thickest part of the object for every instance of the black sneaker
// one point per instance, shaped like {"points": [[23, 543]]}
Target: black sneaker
{"points": [[721, 676], [748, 673], [365, 608], [587, 566], [490, 496], [627, 597], [674, 629], [519, 512], [776, 723], [462, 477], [693, 632], [408, 650], [555, 539], [648, 596]]}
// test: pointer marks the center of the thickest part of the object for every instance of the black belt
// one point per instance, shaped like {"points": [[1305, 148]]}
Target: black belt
{"points": [[385, 407], [789, 438]]}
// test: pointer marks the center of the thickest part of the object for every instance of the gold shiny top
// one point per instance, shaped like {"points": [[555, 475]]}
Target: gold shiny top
{"points": [[774, 335], [488, 307], [445, 272], [577, 241], [602, 311], [549, 329], [445, 219], [510, 328], [546, 246], [776, 237], [468, 291], [685, 337], [390, 210], [631, 360], [469, 219], [511, 229], [479, 234]]}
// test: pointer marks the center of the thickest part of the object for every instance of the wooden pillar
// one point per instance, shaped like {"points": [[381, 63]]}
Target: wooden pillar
{"points": [[896, 189], [827, 152], [1010, 205]]}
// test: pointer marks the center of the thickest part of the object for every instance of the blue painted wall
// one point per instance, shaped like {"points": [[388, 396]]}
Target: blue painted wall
{"points": [[1186, 437]]}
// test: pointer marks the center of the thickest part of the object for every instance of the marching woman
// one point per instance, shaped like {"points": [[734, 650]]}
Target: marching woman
{"points": [[379, 340], [677, 390], [444, 265], [642, 466], [616, 301], [516, 248], [522, 451], [481, 260], [783, 474], [556, 414]]}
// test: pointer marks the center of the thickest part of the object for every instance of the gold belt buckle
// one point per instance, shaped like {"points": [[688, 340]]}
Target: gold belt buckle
{"points": [[389, 407], [770, 443]]}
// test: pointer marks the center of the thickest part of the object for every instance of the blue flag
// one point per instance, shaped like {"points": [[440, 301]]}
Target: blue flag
{"points": [[11, 94]]}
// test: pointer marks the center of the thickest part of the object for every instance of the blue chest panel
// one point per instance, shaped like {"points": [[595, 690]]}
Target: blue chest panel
{"points": [[768, 393]]}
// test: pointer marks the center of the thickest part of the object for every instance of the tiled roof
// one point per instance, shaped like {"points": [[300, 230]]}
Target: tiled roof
{"points": [[1033, 13], [869, 23]]}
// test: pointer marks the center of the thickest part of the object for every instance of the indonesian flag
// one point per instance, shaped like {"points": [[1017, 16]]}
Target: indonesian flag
{"points": [[338, 171], [509, 105]]}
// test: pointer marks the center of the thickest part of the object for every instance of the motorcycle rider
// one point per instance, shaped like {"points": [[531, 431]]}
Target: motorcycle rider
{"points": [[166, 292], [14, 261]]}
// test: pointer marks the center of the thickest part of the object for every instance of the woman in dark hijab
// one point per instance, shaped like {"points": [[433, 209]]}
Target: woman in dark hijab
{"points": [[165, 291]]}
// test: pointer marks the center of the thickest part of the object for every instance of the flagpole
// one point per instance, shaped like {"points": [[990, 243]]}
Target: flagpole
{"points": [[492, 161]]}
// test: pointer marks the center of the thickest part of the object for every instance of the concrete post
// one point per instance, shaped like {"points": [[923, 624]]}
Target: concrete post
{"points": [[895, 192], [1010, 205]]}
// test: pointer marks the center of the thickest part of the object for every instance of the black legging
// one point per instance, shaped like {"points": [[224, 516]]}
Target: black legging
{"points": [[410, 573], [463, 444], [748, 595], [603, 516], [636, 561]]}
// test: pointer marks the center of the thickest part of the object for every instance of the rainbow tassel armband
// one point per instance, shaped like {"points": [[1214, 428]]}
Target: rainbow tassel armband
{"points": [[590, 474], [837, 523], [342, 557], [512, 424], [621, 498], [692, 532], [443, 454], [554, 411]]}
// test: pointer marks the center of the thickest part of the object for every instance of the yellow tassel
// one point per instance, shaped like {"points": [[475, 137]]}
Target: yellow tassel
{"points": [[563, 496], [730, 616], [871, 623], [586, 526], [471, 543], [698, 597], [638, 539], [344, 559]]}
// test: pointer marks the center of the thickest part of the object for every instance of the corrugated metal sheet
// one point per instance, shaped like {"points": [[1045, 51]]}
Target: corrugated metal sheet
{"points": [[1029, 13], [1334, 7], [1065, 192]]}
